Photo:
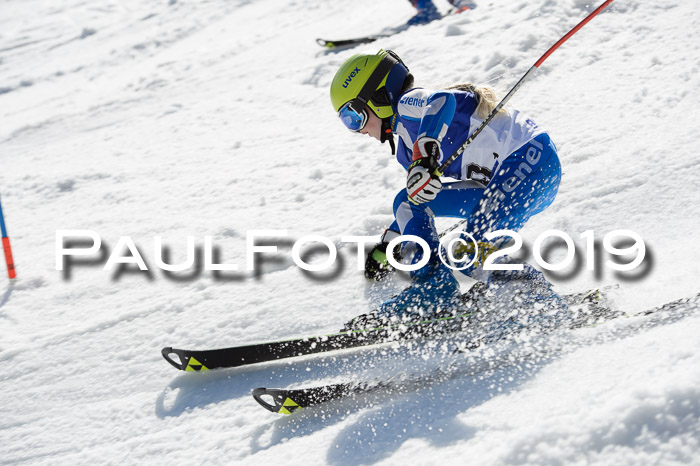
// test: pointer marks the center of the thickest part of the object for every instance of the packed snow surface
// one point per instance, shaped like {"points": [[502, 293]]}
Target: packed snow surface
{"points": [[212, 118]]}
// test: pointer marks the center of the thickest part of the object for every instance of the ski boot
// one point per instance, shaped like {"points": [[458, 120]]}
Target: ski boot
{"points": [[526, 297], [427, 12], [462, 5], [431, 291], [434, 292]]}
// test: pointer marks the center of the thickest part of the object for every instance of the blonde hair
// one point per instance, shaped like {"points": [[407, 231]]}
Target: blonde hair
{"points": [[485, 95]]}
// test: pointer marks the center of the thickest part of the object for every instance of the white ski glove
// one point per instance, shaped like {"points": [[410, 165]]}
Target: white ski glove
{"points": [[422, 183]]}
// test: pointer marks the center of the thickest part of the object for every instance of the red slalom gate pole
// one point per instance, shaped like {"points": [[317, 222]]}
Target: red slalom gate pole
{"points": [[525, 77], [6, 247]]}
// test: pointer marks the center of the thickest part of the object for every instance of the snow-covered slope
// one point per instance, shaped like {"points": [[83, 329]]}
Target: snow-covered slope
{"points": [[212, 118]]}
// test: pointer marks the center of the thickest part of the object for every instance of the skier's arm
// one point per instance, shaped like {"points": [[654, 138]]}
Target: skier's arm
{"points": [[422, 183], [437, 115]]}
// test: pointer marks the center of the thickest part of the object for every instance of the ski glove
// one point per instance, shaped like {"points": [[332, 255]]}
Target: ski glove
{"points": [[422, 183], [377, 266]]}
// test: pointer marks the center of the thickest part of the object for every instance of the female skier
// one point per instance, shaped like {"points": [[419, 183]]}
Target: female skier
{"points": [[508, 174]]}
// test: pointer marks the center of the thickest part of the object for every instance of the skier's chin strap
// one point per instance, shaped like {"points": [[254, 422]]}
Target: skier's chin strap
{"points": [[388, 135]]}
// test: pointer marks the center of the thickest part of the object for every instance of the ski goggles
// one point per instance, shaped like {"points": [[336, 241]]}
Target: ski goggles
{"points": [[355, 119], [351, 118]]}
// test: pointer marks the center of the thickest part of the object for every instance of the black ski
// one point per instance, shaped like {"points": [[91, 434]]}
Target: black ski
{"points": [[202, 360], [286, 401], [334, 44], [262, 352]]}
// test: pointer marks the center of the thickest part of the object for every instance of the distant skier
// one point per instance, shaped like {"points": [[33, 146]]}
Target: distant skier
{"points": [[427, 11], [508, 174]]}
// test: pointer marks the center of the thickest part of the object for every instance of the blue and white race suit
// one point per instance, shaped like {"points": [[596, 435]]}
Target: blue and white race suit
{"points": [[509, 173]]}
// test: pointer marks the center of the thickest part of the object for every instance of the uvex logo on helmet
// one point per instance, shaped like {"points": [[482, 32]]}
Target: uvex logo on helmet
{"points": [[348, 80]]}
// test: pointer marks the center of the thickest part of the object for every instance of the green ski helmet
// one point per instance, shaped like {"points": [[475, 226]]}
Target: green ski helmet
{"points": [[374, 81]]}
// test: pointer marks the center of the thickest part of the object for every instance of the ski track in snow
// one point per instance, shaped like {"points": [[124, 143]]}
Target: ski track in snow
{"points": [[212, 117]]}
